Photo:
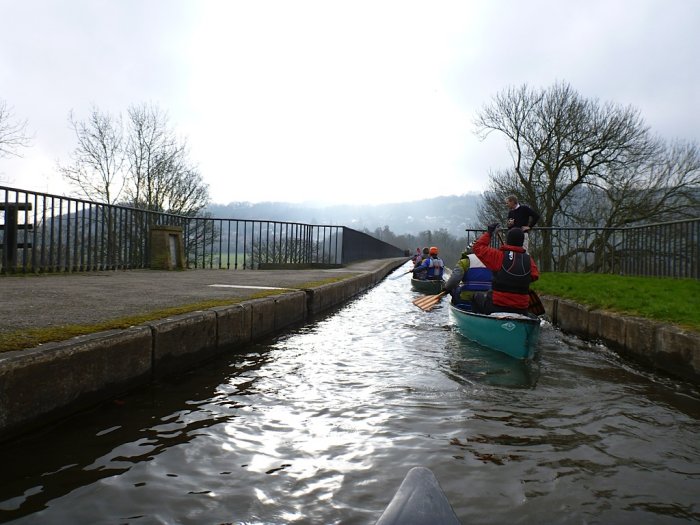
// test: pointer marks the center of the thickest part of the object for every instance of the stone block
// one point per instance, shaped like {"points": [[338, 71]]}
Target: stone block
{"points": [[323, 297], [678, 351], [607, 327], [233, 325], [572, 317], [166, 248], [550, 307], [357, 285], [44, 383], [386, 269], [365, 282], [640, 338], [262, 321], [183, 340], [290, 309], [343, 291]]}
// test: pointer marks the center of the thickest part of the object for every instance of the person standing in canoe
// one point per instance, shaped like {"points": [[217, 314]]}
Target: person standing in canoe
{"points": [[433, 266], [468, 276], [513, 269], [521, 216]]}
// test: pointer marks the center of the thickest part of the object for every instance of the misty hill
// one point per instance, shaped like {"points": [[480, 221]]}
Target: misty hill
{"points": [[453, 213]]}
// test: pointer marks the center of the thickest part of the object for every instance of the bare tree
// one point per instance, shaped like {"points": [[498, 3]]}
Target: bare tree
{"points": [[148, 167], [150, 149], [559, 141], [13, 132], [97, 162], [583, 163], [161, 176], [492, 206], [188, 193], [664, 187]]}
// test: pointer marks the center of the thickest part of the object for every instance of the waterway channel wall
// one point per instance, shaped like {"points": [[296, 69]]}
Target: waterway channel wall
{"points": [[661, 346], [43, 384]]}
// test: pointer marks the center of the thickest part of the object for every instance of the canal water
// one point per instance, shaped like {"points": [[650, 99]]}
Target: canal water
{"points": [[320, 426]]}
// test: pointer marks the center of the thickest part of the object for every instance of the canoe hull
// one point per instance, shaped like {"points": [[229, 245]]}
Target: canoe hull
{"points": [[512, 334], [419, 501], [428, 287]]}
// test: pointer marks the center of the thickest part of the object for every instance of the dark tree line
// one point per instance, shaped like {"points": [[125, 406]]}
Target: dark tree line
{"points": [[449, 246]]}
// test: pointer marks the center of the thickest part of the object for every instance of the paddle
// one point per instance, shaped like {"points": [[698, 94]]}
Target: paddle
{"points": [[535, 306], [428, 302], [401, 275]]}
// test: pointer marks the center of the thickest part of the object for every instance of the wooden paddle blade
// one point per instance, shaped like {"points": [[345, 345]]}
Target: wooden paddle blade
{"points": [[420, 299], [423, 299], [535, 306], [428, 302], [432, 304], [429, 306]]}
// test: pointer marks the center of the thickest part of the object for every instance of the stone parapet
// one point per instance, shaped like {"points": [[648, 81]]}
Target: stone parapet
{"points": [[40, 385], [183, 340], [233, 325], [55, 379], [664, 347]]}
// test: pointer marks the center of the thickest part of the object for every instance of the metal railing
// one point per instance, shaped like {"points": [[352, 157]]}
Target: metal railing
{"points": [[669, 249], [52, 233]]}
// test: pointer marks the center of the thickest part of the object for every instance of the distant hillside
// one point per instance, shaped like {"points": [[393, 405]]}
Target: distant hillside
{"points": [[454, 214]]}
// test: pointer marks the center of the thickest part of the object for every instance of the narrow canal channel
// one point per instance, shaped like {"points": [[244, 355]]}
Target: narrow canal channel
{"points": [[320, 426]]}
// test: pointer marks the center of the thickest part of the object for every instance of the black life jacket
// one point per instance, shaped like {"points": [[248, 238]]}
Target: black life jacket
{"points": [[514, 275]]}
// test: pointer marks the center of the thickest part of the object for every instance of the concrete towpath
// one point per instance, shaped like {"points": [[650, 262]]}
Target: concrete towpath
{"points": [[88, 298], [56, 373]]}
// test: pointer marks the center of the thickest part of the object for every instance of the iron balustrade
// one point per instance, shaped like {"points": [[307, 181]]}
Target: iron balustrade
{"points": [[70, 235], [64, 234], [668, 249], [253, 244]]}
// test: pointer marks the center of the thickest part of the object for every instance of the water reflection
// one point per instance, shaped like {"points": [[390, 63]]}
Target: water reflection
{"points": [[118, 435], [469, 362], [320, 426]]}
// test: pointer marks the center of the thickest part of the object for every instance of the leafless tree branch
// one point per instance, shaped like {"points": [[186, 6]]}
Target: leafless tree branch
{"points": [[13, 133]]}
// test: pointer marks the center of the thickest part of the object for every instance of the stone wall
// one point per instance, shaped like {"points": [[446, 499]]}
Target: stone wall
{"points": [[39, 385], [658, 345]]}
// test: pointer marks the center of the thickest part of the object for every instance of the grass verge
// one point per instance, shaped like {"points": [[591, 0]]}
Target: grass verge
{"points": [[675, 301], [21, 339]]}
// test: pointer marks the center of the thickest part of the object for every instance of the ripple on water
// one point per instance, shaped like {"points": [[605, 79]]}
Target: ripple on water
{"points": [[320, 425]]}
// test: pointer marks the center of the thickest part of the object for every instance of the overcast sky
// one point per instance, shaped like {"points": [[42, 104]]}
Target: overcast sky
{"points": [[335, 101]]}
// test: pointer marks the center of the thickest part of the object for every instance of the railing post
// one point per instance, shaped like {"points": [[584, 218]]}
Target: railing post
{"points": [[10, 228]]}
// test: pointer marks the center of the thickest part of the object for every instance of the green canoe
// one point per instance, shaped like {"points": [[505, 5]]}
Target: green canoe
{"points": [[429, 287], [513, 334]]}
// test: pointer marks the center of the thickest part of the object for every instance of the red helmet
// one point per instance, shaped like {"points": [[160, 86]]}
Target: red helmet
{"points": [[433, 250]]}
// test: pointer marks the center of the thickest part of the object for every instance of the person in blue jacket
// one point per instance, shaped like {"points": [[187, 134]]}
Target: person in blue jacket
{"points": [[433, 267], [468, 276], [418, 271]]}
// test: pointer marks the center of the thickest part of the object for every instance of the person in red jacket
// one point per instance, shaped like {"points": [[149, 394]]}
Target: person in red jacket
{"points": [[513, 269]]}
